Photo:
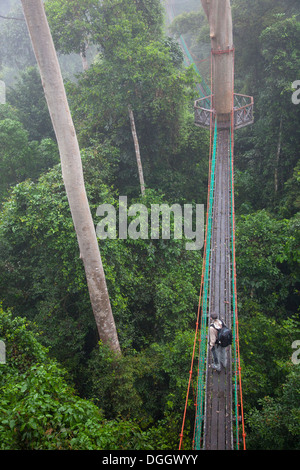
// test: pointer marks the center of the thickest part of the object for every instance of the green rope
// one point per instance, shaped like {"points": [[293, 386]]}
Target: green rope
{"points": [[206, 90], [204, 317], [203, 89]]}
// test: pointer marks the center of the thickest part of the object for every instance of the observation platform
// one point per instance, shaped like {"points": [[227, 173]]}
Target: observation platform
{"points": [[243, 111]]}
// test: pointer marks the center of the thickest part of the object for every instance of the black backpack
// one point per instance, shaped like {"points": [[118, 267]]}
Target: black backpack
{"points": [[224, 336]]}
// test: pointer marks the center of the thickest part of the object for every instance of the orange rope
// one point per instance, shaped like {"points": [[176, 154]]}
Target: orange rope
{"points": [[201, 286], [199, 307], [220, 51], [234, 269], [237, 335]]}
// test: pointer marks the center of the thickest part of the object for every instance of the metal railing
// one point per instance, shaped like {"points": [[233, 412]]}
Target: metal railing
{"points": [[243, 111], [204, 111]]}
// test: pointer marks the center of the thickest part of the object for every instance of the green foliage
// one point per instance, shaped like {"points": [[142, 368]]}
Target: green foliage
{"points": [[74, 26], [39, 249], [43, 289], [21, 158], [264, 261], [41, 411], [167, 136], [70, 24], [276, 423], [147, 385], [14, 151], [267, 350], [27, 97], [140, 67], [15, 47], [136, 402], [291, 198], [266, 68], [187, 22]]}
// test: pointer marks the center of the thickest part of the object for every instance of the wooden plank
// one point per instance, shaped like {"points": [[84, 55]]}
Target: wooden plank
{"points": [[224, 212], [218, 406], [208, 413], [214, 413], [227, 300]]}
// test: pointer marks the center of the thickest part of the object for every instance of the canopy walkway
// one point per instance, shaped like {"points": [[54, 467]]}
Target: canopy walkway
{"points": [[218, 402], [219, 420]]}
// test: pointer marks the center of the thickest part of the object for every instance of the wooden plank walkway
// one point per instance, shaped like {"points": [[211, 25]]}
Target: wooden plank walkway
{"points": [[218, 433]]}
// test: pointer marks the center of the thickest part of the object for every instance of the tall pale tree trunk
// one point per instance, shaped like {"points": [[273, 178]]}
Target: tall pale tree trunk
{"points": [[83, 57], [137, 150], [278, 157], [84, 61], [219, 17], [71, 169]]}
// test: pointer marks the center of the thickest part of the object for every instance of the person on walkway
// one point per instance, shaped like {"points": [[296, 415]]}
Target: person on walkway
{"points": [[218, 353]]}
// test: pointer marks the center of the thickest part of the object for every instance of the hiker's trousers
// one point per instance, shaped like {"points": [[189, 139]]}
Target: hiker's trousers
{"points": [[219, 356]]}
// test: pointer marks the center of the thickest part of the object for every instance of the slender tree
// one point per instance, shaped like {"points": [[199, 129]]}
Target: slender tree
{"points": [[71, 169], [137, 150], [75, 24], [70, 25]]}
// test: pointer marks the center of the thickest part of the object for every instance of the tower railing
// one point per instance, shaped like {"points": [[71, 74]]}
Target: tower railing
{"points": [[243, 111]]}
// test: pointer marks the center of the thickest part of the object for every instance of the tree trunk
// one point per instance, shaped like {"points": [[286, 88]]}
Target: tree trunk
{"points": [[84, 61], [83, 57], [220, 24], [277, 157], [71, 169], [137, 150]]}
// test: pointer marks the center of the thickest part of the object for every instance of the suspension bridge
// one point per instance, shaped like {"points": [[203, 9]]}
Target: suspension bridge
{"points": [[219, 420], [218, 401]]}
